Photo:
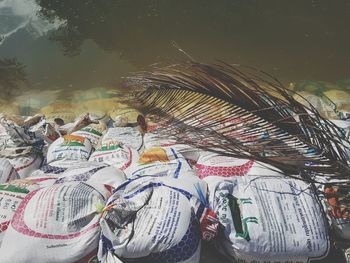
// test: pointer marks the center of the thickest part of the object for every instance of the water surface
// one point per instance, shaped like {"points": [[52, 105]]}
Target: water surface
{"points": [[69, 45]]}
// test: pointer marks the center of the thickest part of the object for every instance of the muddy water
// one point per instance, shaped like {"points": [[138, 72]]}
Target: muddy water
{"points": [[68, 45]]}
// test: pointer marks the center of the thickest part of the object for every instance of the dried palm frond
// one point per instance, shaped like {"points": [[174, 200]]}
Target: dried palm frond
{"points": [[240, 112]]}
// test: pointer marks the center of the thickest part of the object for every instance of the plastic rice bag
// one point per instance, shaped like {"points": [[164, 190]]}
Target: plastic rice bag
{"points": [[155, 139], [55, 168], [152, 220], [93, 172], [26, 164], [7, 171], [114, 153], [59, 223], [129, 114], [269, 219], [70, 147], [92, 133], [129, 136], [95, 116], [12, 194]]}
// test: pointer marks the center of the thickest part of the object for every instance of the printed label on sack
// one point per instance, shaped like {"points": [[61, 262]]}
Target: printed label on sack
{"points": [[270, 219], [69, 147], [65, 207], [10, 198], [89, 133], [223, 167], [164, 221], [158, 169], [126, 135], [113, 154]]}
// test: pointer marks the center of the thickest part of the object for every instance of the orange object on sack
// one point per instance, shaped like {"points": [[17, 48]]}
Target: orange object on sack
{"points": [[154, 155]]}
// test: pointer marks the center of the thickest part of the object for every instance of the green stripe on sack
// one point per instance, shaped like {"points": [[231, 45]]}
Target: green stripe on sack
{"points": [[13, 188], [93, 131]]}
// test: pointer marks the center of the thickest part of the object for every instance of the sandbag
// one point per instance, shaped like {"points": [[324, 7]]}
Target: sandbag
{"points": [[93, 173], [17, 136], [12, 194], [113, 153], [152, 220], [45, 131], [341, 98], [129, 136], [93, 133], [59, 223], [70, 147], [330, 100], [55, 168], [157, 139], [4, 137], [269, 219], [161, 162], [7, 171], [95, 115], [129, 114], [26, 164]]}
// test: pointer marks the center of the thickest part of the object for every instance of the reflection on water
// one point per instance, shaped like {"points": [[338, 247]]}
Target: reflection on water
{"points": [[12, 78], [82, 44]]}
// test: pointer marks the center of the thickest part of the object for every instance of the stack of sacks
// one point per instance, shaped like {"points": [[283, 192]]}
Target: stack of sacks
{"points": [[11, 196], [161, 162], [153, 220], [114, 153], [269, 219], [58, 223]]}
